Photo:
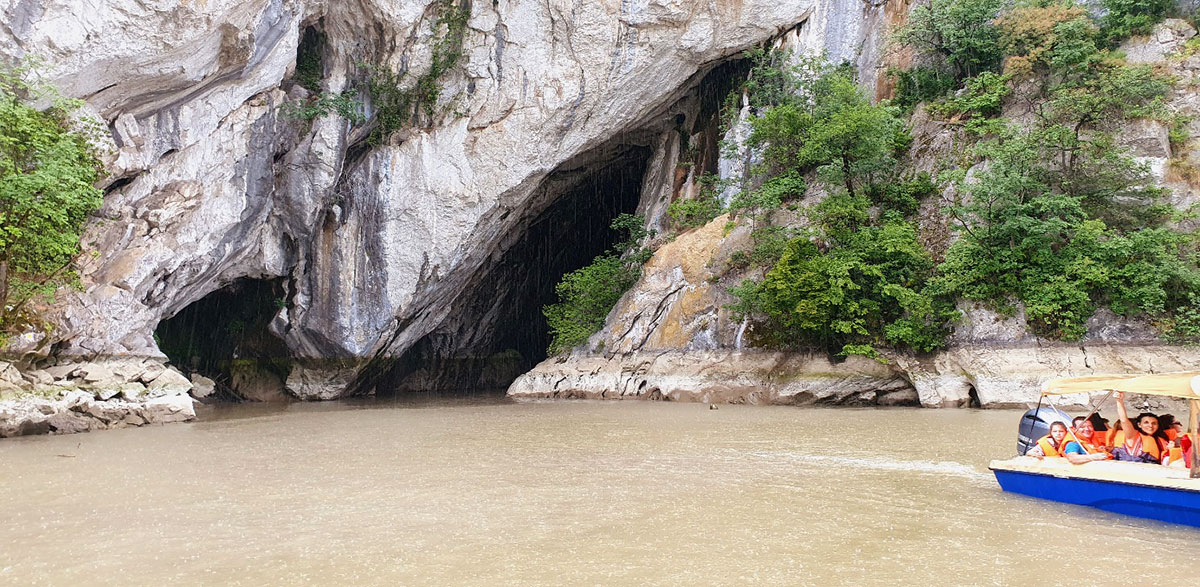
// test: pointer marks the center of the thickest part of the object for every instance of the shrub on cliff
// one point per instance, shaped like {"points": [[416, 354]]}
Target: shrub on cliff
{"points": [[960, 33], [47, 172], [587, 294]]}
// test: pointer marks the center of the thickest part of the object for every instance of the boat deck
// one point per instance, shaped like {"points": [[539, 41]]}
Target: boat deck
{"points": [[1143, 474]]}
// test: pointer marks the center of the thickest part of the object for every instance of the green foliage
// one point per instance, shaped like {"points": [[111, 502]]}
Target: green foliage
{"points": [[47, 172], [960, 33], [1182, 325], [769, 82], [903, 195], [398, 104], [771, 195], [1047, 38], [310, 62], [982, 97], [698, 211], [1125, 18], [345, 104], [1061, 219], [850, 298], [586, 295], [921, 84], [833, 128]]}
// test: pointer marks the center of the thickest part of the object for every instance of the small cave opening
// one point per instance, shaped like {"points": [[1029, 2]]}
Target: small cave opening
{"points": [[497, 330], [227, 337], [310, 58]]}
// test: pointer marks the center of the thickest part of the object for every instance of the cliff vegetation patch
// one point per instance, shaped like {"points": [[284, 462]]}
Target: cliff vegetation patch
{"points": [[1050, 212], [588, 294], [48, 169]]}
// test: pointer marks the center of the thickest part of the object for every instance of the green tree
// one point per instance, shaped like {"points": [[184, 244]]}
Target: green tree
{"points": [[587, 294], [962, 33], [831, 127], [47, 172], [1132, 17]]}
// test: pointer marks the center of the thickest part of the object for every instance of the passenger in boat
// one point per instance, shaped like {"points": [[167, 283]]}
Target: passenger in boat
{"points": [[1084, 446], [1166, 428], [1051, 445], [1139, 444]]}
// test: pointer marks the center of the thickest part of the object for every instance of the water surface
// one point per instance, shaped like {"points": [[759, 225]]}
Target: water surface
{"points": [[490, 492]]}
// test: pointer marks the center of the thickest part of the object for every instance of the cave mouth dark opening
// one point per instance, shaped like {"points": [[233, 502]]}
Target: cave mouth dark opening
{"points": [[497, 330], [226, 336]]}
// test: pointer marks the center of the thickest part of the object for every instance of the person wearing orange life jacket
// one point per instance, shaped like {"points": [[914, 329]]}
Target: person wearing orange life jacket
{"points": [[1051, 445], [1079, 448], [1136, 442]]}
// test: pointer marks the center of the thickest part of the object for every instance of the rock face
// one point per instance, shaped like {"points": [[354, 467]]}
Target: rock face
{"points": [[81, 397], [212, 183], [671, 336], [399, 254]]}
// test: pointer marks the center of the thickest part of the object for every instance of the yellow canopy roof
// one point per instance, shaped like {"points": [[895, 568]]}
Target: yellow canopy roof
{"points": [[1185, 384]]}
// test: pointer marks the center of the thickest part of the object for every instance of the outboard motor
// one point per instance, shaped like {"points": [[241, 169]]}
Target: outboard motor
{"points": [[1036, 424]]}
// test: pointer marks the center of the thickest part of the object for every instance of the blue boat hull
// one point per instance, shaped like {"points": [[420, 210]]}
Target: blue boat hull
{"points": [[1178, 506]]}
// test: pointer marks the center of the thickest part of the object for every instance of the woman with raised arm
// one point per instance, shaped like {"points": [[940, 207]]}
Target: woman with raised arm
{"points": [[1136, 441]]}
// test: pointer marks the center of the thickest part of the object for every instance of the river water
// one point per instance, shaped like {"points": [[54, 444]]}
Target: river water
{"points": [[491, 492]]}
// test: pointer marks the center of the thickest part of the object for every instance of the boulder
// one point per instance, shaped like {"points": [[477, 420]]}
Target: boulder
{"points": [[98, 374], [38, 377], [133, 391], [10, 374], [169, 382], [107, 393], [174, 408], [71, 423], [202, 386], [62, 372]]}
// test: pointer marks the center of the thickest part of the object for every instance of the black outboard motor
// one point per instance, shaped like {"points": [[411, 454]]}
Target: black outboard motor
{"points": [[1036, 424]]}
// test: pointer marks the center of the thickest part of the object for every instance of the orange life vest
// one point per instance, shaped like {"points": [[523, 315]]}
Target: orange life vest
{"points": [[1149, 444], [1087, 446], [1047, 444]]}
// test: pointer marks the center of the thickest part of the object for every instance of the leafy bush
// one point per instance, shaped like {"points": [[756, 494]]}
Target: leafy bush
{"points": [[398, 104], [47, 172], [344, 104], [1125, 18], [921, 84], [850, 298], [961, 33], [771, 195], [982, 97], [1045, 38], [903, 195], [586, 295], [695, 212]]}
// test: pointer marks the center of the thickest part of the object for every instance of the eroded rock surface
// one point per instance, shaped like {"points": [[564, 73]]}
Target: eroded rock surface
{"points": [[211, 183]]}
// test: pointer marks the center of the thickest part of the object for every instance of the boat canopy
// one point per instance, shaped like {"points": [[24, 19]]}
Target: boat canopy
{"points": [[1184, 384]]}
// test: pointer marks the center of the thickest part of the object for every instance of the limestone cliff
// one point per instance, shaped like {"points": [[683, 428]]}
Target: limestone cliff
{"points": [[376, 248], [672, 337], [359, 264]]}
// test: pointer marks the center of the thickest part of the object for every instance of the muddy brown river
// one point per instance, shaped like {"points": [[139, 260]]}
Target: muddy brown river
{"points": [[491, 492]]}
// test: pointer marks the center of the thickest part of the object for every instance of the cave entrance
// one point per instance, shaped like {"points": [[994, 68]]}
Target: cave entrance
{"points": [[226, 336], [497, 331]]}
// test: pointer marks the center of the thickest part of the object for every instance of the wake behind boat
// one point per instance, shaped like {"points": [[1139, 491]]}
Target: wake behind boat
{"points": [[1153, 491]]}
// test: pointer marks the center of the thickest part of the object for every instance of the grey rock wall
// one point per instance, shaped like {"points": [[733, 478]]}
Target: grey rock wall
{"points": [[210, 183]]}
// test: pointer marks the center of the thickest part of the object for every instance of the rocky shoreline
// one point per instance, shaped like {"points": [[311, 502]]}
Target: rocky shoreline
{"points": [[80, 397], [983, 376]]}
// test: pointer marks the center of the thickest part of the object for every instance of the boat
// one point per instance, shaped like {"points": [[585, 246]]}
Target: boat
{"points": [[1149, 491]]}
